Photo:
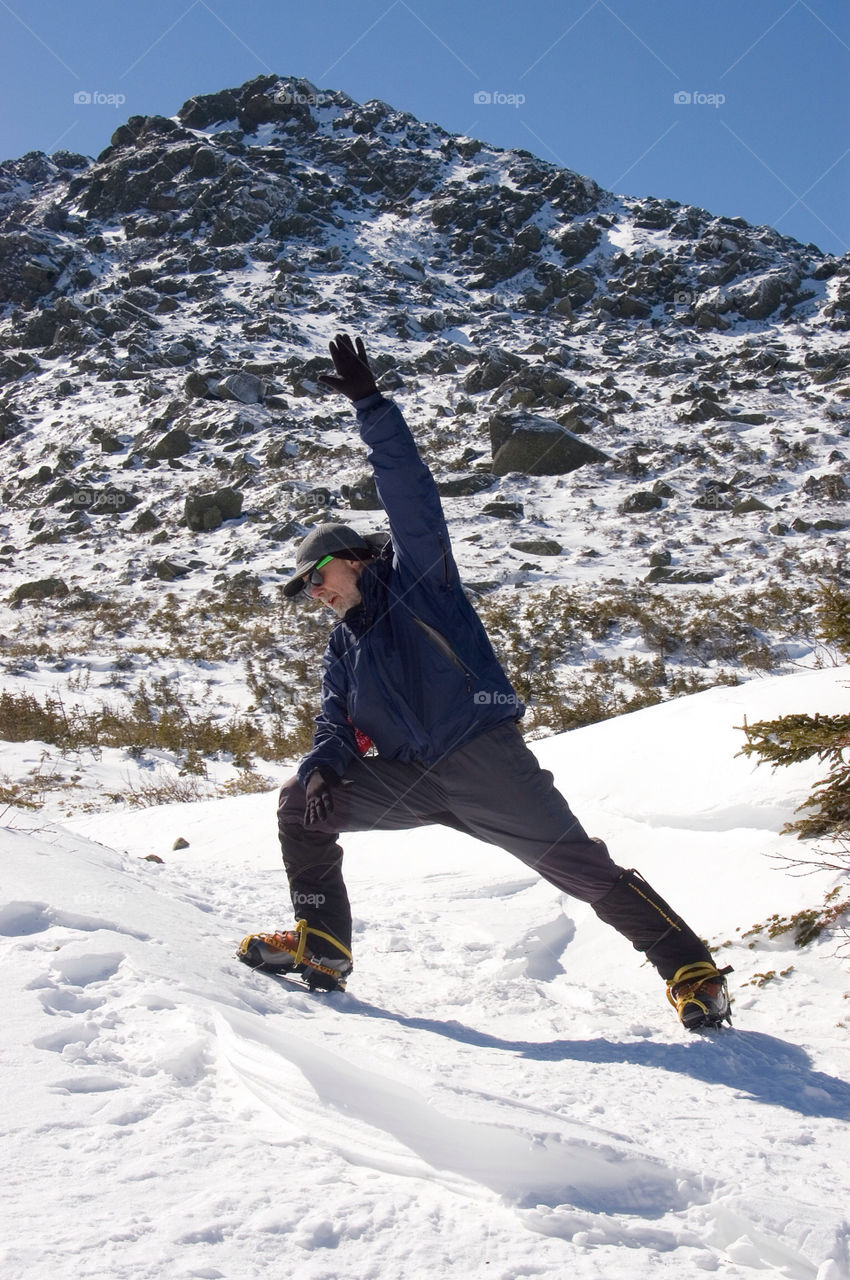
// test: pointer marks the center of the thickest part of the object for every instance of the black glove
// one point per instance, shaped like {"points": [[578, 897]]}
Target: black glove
{"points": [[320, 801], [353, 378]]}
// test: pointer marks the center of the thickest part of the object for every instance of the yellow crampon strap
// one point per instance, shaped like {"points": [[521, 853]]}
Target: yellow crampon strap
{"points": [[302, 928], [693, 975]]}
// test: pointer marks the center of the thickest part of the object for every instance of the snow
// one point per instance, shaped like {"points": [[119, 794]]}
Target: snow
{"points": [[503, 1090]]}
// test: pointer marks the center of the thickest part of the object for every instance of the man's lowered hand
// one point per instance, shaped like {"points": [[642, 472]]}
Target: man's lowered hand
{"points": [[320, 801]]}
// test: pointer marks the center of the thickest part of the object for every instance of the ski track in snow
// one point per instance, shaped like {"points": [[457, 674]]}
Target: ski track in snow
{"points": [[502, 1091]]}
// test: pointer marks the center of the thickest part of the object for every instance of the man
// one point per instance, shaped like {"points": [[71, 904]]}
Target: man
{"points": [[409, 668]]}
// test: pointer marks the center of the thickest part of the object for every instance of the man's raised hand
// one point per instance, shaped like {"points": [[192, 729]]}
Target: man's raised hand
{"points": [[353, 377]]}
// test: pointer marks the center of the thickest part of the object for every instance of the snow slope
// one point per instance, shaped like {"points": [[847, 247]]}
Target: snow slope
{"points": [[502, 1092]]}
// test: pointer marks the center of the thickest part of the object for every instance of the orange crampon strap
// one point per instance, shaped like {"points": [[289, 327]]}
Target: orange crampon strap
{"points": [[281, 942]]}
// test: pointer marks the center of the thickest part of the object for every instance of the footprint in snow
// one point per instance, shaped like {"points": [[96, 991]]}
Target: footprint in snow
{"points": [[537, 954]]}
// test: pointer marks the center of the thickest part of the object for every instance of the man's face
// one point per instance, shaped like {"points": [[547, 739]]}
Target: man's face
{"points": [[340, 589]]}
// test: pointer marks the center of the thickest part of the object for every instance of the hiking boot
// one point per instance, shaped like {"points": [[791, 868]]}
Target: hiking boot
{"points": [[289, 953], [699, 994]]}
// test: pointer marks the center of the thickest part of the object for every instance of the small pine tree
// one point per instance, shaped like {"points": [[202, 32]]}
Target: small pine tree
{"points": [[833, 614], [794, 738], [799, 737]]}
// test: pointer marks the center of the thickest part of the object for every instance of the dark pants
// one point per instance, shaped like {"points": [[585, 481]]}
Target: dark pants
{"points": [[492, 788]]}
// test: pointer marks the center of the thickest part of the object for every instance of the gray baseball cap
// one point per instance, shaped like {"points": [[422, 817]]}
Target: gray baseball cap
{"points": [[328, 539]]}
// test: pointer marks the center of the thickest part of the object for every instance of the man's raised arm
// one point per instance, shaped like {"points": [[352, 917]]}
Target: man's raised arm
{"points": [[405, 485]]}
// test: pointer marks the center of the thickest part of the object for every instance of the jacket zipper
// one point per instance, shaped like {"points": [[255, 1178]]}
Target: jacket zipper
{"points": [[440, 642]]}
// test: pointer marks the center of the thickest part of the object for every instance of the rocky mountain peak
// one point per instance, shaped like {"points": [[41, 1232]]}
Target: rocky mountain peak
{"points": [[587, 374]]}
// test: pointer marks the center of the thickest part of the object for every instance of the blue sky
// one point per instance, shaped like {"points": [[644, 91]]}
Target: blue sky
{"points": [[740, 106]]}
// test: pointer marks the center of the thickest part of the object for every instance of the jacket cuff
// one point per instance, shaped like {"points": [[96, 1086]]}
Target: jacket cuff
{"points": [[329, 774], [368, 402]]}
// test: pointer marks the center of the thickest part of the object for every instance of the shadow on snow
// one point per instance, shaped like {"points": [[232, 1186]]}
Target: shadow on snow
{"points": [[763, 1067]]}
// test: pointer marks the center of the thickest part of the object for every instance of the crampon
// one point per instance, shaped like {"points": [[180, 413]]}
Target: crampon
{"points": [[290, 952], [699, 994]]}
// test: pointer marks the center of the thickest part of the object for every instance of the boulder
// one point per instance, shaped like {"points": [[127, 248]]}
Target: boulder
{"points": [[145, 522], [578, 241], [205, 164], [503, 510], [40, 329], [17, 366], [198, 385], [641, 501], [169, 570], [205, 511], [655, 214], [759, 297], [10, 424], [680, 577], [174, 444], [577, 286], [747, 505], [500, 266], [280, 453], [494, 366], [247, 388], [362, 494], [465, 486], [716, 498], [755, 297], [30, 264], [829, 488], [541, 384], [42, 589], [208, 108], [537, 446], [108, 501], [537, 546], [178, 354]]}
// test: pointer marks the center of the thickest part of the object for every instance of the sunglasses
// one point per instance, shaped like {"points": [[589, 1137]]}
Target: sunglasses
{"points": [[314, 577]]}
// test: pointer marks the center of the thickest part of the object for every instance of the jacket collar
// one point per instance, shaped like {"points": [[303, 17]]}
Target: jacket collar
{"points": [[360, 616]]}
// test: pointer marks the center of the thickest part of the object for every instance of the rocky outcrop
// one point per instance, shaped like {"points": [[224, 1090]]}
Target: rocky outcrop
{"points": [[164, 310], [206, 511], [41, 589], [537, 446], [362, 494]]}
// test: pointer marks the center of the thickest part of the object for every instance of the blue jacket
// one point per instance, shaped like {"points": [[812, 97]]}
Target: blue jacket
{"points": [[411, 666]]}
